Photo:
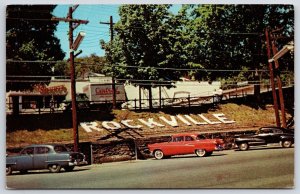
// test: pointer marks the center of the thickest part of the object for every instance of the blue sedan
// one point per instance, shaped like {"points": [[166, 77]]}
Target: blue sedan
{"points": [[50, 156]]}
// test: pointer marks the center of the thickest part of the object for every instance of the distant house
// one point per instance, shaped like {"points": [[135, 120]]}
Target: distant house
{"points": [[41, 97]]}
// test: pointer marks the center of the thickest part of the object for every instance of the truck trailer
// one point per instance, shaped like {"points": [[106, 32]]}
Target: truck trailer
{"points": [[96, 95]]}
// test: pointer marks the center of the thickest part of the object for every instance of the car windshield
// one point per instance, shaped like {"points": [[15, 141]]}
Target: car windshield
{"points": [[60, 148]]}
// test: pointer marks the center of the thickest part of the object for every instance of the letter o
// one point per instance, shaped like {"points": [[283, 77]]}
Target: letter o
{"points": [[111, 125]]}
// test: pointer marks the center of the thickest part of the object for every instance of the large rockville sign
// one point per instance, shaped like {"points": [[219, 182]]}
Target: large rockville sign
{"points": [[172, 121]]}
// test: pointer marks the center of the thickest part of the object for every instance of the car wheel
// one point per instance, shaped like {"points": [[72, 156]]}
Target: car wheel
{"points": [[158, 154], [201, 152], [69, 168], [243, 146], [286, 144], [54, 168], [8, 170]]}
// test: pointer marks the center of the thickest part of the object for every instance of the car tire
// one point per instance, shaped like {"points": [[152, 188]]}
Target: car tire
{"points": [[158, 154], [8, 170], [201, 152], [55, 168], [243, 146], [286, 144], [69, 168]]}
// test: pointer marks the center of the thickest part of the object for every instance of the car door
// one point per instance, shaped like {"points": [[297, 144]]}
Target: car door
{"points": [[265, 135], [275, 136], [175, 147], [25, 160], [40, 157], [189, 144]]}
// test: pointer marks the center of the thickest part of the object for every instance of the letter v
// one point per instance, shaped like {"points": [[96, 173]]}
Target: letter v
{"points": [[172, 122]]}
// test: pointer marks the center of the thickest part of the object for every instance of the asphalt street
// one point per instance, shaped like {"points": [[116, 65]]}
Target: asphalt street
{"points": [[261, 167]]}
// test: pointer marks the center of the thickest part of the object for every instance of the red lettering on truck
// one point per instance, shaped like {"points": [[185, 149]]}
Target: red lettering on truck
{"points": [[105, 91]]}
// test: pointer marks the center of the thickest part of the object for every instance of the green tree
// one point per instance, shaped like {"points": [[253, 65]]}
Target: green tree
{"points": [[232, 36], [30, 37], [92, 63], [83, 65], [206, 38], [149, 38]]}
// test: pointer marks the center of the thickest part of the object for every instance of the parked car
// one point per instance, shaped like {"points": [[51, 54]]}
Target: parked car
{"points": [[264, 136], [82, 102], [187, 143], [37, 157]]}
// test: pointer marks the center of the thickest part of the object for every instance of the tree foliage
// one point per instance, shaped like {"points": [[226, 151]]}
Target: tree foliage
{"points": [[232, 37], [148, 38], [30, 37], [206, 38], [83, 65]]}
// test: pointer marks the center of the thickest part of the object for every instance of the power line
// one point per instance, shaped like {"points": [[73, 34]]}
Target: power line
{"points": [[158, 68], [152, 83], [35, 76], [33, 19], [141, 27]]}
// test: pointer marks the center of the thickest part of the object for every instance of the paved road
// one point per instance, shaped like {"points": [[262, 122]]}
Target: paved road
{"points": [[263, 167]]}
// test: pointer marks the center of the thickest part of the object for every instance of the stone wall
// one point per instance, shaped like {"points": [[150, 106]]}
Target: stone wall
{"points": [[128, 149], [132, 149]]}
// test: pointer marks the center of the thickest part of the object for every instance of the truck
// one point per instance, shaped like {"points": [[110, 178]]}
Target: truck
{"points": [[103, 93], [95, 95]]}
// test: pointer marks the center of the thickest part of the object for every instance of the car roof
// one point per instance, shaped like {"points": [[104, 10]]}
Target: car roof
{"points": [[185, 134], [273, 127], [39, 145]]}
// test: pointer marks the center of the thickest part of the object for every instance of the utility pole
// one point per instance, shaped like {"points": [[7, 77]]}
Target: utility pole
{"points": [[73, 23], [272, 79], [279, 83], [110, 23]]}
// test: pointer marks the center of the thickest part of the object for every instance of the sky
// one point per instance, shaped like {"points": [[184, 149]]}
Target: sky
{"points": [[94, 13], [94, 30]]}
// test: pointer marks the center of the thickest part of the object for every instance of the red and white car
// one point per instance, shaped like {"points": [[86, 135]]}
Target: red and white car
{"points": [[186, 143]]}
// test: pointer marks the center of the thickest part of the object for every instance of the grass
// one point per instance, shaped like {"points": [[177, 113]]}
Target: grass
{"points": [[244, 116]]}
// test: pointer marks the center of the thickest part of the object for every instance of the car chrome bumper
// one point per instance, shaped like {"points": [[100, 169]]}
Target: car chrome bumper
{"points": [[234, 146], [78, 163], [219, 148]]}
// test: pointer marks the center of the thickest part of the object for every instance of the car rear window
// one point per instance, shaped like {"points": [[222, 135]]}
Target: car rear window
{"points": [[178, 139], [42, 150], [277, 131], [60, 148], [200, 137]]}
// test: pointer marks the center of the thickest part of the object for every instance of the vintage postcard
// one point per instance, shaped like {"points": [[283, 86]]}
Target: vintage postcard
{"points": [[150, 96]]}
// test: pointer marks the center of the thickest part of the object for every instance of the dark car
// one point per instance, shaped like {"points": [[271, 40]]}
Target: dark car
{"points": [[37, 157], [264, 136], [82, 102]]}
